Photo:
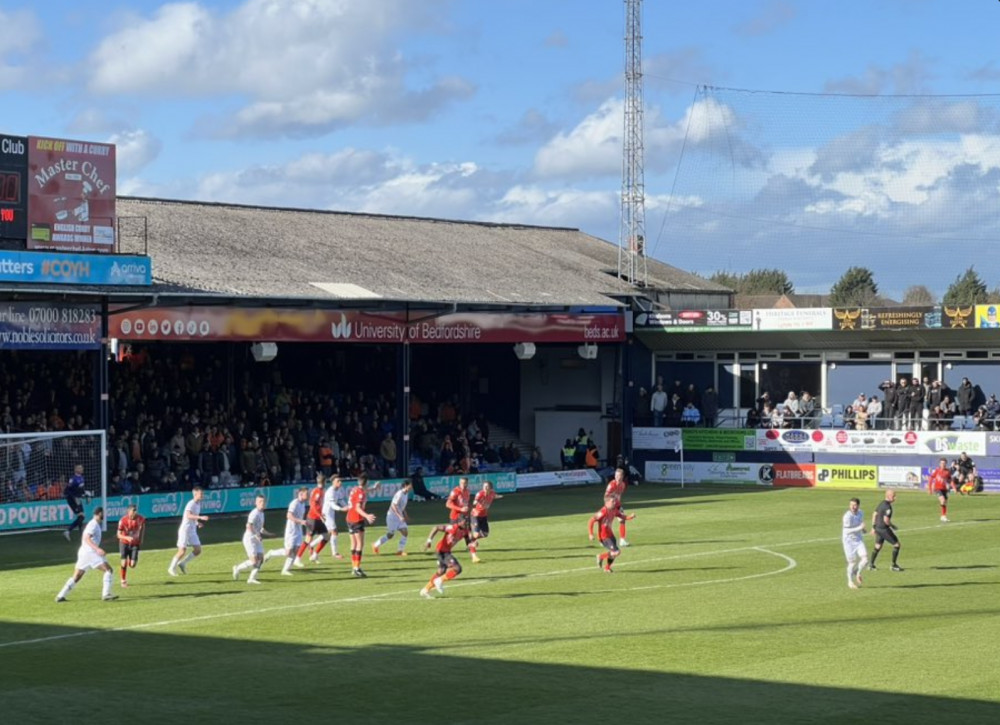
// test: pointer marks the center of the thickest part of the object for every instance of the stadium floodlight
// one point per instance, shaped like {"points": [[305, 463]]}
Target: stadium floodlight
{"points": [[34, 470], [524, 350], [264, 351]]}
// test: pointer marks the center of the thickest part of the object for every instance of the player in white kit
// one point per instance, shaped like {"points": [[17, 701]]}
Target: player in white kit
{"points": [[334, 501], [90, 556], [187, 533], [295, 519], [253, 542], [396, 519], [854, 543]]}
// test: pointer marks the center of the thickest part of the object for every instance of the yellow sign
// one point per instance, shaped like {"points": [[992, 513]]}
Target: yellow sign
{"points": [[836, 476]]}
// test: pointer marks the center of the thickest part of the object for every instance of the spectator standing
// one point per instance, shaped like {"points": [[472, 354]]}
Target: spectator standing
{"points": [[658, 405], [916, 410], [690, 416], [965, 397], [710, 407]]}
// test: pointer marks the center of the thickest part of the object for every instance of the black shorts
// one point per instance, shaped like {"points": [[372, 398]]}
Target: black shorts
{"points": [[316, 527], [74, 505], [481, 526], [356, 527], [610, 544], [942, 492], [446, 561], [129, 552], [885, 535]]}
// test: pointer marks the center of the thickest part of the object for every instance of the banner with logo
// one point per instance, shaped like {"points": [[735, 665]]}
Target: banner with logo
{"points": [[656, 439], [67, 268], [704, 472], [903, 477], [991, 478], [836, 476], [790, 440], [695, 320], [71, 197], [886, 318], [987, 316], [796, 318], [49, 326], [951, 443], [577, 477], [296, 325], [788, 475], [719, 439], [36, 514]]}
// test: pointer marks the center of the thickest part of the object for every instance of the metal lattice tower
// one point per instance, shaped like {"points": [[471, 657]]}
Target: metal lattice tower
{"points": [[632, 228]]}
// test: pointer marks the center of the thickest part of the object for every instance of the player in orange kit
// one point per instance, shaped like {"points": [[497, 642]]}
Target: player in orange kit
{"points": [[605, 517], [448, 566]]}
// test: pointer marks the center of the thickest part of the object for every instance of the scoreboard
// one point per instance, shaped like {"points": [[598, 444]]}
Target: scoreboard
{"points": [[13, 187]]}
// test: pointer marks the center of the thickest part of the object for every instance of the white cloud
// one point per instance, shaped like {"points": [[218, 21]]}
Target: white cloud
{"points": [[771, 17], [303, 66], [135, 150], [21, 38]]}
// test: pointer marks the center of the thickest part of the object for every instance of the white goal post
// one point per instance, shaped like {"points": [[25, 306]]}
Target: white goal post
{"points": [[34, 471]]}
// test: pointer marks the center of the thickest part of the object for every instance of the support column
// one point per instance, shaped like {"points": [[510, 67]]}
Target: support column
{"points": [[403, 409]]}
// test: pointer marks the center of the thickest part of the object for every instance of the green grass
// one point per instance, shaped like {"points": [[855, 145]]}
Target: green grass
{"points": [[731, 606]]}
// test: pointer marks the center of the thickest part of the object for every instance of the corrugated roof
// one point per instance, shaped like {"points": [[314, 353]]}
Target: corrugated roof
{"points": [[236, 250]]}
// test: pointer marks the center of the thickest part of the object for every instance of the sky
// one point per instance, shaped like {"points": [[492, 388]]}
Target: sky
{"points": [[803, 135]]}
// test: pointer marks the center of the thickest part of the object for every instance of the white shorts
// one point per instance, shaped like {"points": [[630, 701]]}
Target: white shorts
{"points": [[855, 551], [87, 558], [331, 523], [293, 540], [253, 546], [393, 523], [187, 536]]}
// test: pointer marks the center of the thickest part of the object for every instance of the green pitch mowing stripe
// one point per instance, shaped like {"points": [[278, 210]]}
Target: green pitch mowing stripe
{"points": [[731, 606]]}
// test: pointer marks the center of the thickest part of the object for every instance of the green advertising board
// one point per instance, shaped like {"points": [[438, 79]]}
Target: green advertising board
{"points": [[719, 439]]}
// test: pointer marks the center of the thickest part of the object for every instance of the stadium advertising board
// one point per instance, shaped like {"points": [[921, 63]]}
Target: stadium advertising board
{"points": [[49, 326], [868, 441], [991, 478], [68, 268], [36, 514], [789, 475], [903, 477], [703, 472], [718, 439], [13, 187], [839, 476], [788, 440], [993, 444], [293, 325], [805, 318], [71, 195], [656, 439], [695, 320], [886, 318], [988, 316], [952, 443], [578, 477]]}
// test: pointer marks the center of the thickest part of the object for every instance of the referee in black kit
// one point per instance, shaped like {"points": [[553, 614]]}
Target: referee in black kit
{"points": [[884, 530]]}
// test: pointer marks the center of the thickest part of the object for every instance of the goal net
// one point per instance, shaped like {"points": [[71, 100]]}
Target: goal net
{"points": [[34, 471]]}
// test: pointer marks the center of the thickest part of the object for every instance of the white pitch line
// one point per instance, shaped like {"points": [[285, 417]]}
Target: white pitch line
{"points": [[475, 582]]}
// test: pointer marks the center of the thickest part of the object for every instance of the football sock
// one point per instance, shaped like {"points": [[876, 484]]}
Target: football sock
{"points": [[944, 510], [122, 571], [874, 555], [106, 584], [173, 562], [253, 574], [77, 523], [67, 587], [273, 553], [850, 573], [333, 545], [402, 543], [621, 530], [450, 574], [188, 558], [288, 564], [320, 546], [244, 565], [381, 541], [302, 550], [895, 554]]}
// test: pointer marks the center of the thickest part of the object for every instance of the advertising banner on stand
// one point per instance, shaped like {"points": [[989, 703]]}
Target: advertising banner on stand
{"points": [[705, 472], [656, 439], [719, 439], [902, 477], [49, 326], [838, 476], [71, 197], [298, 325]]}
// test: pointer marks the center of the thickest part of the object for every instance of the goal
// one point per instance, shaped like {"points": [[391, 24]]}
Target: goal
{"points": [[34, 470]]}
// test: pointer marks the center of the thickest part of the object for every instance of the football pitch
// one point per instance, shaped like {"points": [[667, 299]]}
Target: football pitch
{"points": [[729, 606]]}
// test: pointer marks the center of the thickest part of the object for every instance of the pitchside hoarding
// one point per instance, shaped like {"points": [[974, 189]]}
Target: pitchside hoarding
{"points": [[66, 268], [293, 325], [37, 514], [71, 195]]}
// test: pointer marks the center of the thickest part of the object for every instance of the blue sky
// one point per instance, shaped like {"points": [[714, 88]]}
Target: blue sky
{"points": [[507, 110]]}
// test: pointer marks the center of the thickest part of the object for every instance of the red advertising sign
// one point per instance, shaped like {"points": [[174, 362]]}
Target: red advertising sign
{"points": [[793, 474], [71, 195], [291, 325]]}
